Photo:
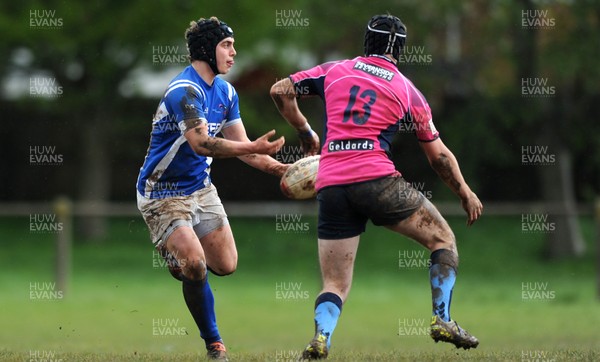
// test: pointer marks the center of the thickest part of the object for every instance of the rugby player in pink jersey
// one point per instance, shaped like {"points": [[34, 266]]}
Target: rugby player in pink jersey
{"points": [[367, 100]]}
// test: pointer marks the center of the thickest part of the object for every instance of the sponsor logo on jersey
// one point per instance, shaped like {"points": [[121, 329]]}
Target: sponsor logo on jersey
{"points": [[360, 144], [214, 128], [374, 70]]}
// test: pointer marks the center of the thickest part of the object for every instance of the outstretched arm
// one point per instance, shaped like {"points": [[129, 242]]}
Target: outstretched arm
{"points": [[442, 160], [265, 163], [284, 96], [196, 134]]}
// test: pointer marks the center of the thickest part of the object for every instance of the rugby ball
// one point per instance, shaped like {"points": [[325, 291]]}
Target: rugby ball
{"points": [[298, 182]]}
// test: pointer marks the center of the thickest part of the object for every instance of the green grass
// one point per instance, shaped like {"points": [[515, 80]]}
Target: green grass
{"points": [[116, 293]]}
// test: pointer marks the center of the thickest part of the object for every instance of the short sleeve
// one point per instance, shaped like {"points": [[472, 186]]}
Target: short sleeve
{"points": [[310, 82], [187, 102], [420, 114]]}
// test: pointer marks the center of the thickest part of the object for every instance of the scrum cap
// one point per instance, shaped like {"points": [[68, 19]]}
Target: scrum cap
{"points": [[202, 39], [385, 34]]}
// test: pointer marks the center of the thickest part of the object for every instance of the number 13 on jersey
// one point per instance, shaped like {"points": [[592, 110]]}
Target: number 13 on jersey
{"points": [[359, 116]]}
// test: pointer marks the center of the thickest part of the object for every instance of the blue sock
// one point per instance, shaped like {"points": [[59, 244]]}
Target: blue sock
{"points": [[201, 303], [442, 275], [328, 308]]}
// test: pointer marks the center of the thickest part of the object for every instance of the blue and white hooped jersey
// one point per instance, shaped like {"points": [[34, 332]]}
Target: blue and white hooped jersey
{"points": [[171, 168]]}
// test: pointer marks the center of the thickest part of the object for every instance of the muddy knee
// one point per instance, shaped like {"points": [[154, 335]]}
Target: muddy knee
{"points": [[194, 269], [445, 239], [445, 257]]}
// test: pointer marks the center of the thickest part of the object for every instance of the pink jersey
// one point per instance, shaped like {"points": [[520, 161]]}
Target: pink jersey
{"points": [[367, 102]]}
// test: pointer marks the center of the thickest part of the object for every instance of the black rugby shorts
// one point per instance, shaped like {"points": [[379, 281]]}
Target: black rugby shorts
{"points": [[345, 209]]}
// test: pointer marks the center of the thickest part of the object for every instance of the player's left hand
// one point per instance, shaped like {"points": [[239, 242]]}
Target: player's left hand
{"points": [[263, 145], [309, 141], [473, 207]]}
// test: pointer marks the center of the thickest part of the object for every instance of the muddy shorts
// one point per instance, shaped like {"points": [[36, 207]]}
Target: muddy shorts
{"points": [[344, 210], [202, 210]]}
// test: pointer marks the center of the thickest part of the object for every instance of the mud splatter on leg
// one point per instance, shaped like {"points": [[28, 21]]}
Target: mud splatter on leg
{"points": [[442, 275]]}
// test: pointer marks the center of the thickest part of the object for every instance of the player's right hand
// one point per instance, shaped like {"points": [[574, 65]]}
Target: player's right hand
{"points": [[309, 142], [264, 146], [473, 207]]}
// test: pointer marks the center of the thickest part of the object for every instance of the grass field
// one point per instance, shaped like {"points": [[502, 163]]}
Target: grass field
{"points": [[122, 305]]}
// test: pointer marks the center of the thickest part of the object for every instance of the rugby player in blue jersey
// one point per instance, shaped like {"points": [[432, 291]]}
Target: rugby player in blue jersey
{"points": [[175, 195]]}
